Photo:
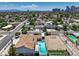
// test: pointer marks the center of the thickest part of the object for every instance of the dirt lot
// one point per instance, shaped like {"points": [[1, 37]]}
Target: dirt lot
{"points": [[54, 42]]}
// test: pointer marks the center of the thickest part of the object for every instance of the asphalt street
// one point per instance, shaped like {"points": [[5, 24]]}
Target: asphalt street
{"points": [[10, 34]]}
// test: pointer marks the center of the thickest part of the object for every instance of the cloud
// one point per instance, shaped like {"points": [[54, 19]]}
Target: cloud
{"points": [[29, 6], [5, 7], [24, 7], [20, 7]]}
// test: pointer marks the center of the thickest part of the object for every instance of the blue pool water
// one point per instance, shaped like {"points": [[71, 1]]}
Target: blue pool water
{"points": [[42, 48]]}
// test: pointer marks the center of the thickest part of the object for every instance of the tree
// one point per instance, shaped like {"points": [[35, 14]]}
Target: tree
{"points": [[2, 24], [24, 31], [67, 15], [74, 27], [61, 15], [17, 18], [60, 20], [65, 27], [55, 22], [17, 33], [36, 53], [44, 30], [12, 50], [32, 21]]}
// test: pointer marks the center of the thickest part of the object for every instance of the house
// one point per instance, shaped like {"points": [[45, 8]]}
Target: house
{"points": [[26, 45]]}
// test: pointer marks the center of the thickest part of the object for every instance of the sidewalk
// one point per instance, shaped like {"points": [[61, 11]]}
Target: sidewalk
{"points": [[15, 40], [2, 37]]}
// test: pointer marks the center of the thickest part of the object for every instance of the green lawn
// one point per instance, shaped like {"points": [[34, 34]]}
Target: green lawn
{"points": [[58, 53]]}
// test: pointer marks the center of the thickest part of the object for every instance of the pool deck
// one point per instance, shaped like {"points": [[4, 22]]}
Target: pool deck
{"points": [[42, 48], [53, 42]]}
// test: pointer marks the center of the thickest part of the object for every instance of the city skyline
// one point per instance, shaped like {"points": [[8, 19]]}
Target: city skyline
{"points": [[42, 6]]}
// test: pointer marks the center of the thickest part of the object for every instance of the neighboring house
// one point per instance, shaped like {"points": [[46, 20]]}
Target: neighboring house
{"points": [[39, 27], [40, 22], [36, 31], [76, 20], [60, 26], [52, 31], [50, 26], [76, 34]]}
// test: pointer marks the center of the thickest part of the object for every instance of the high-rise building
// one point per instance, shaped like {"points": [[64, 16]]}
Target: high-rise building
{"points": [[73, 9], [67, 9], [56, 10]]}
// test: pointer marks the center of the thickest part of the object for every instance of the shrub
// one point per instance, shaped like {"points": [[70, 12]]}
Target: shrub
{"points": [[12, 50]]}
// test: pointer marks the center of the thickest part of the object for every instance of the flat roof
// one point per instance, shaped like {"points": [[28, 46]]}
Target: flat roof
{"points": [[27, 41], [76, 34], [72, 38], [76, 20], [54, 42], [8, 26]]}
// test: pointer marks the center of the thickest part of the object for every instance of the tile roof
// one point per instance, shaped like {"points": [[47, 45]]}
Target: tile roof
{"points": [[27, 41]]}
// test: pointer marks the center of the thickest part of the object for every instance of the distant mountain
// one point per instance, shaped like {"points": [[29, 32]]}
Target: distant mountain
{"points": [[11, 10]]}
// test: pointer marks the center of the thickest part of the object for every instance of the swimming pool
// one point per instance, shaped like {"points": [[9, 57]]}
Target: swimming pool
{"points": [[42, 48]]}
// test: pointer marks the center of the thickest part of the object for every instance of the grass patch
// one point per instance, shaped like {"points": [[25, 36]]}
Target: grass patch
{"points": [[58, 53]]}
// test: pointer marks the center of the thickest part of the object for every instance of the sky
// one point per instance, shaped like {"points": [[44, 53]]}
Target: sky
{"points": [[42, 6]]}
